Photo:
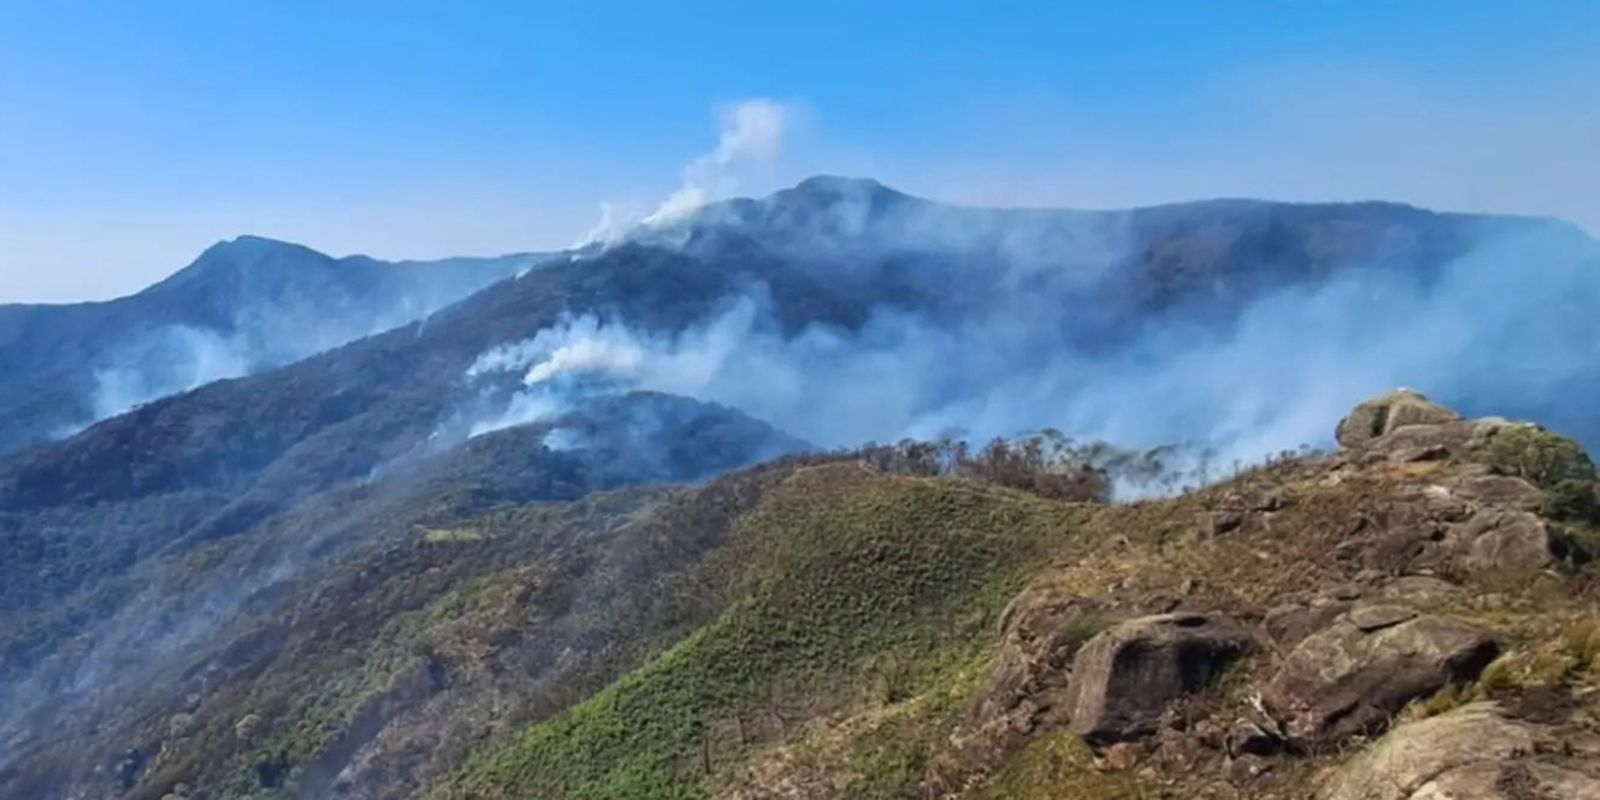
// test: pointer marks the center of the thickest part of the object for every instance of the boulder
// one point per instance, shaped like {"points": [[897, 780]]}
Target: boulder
{"points": [[1351, 677], [1508, 540], [1388, 412], [1024, 691], [1415, 443], [1483, 488], [1288, 624], [1435, 502], [1124, 679], [1026, 684], [1475, 752]]}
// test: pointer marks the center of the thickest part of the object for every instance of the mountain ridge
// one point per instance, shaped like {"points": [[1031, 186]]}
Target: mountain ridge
{"points": [[242, 305], [852, 626], [249, 245], [439, 478]]}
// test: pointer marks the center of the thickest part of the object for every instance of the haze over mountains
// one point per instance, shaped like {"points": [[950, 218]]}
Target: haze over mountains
{"points": [[243, 306], [1230, 312], [160, 560]]}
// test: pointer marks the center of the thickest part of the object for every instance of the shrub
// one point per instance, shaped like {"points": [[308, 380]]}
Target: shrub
{"points": [[1572, 500], [1046, 464], [1538, 456]]}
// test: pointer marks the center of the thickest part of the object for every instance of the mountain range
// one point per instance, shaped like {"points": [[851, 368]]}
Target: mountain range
{"points": [[609, 522], [243, 306]]}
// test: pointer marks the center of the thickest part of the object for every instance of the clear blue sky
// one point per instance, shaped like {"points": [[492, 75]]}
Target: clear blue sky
{"points": [[133, 134]]}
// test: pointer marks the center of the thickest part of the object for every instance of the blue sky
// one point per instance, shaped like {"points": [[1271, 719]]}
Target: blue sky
{"points": [[133, 134]]}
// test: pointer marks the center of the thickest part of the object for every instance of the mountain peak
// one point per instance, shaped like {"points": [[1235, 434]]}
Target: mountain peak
{"points": [[824, 190], [243, 260], [839, 184], [250, 247]]}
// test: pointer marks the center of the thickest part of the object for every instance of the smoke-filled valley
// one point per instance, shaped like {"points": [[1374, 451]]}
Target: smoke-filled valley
{"points": [[436, 508], [1234, 327]]}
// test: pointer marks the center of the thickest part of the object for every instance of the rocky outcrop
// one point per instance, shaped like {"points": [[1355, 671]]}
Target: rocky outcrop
{"points": [[1288, 624], [1389, 412], [1508, 540], [1380, 581], [1417, 442], [1124, 679], [1351, 677], [1471, 519], [1480, 486], [1475, 752], [1027, 685], [1484, 523], [1026, 689], [1405, 426]]}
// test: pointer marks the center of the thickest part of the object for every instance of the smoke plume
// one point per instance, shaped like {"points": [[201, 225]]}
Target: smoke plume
{"points": [[1506, 328], [749, 131]]}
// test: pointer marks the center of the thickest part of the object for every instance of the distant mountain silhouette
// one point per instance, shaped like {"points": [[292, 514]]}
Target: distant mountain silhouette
{"points": [[244, 305]]}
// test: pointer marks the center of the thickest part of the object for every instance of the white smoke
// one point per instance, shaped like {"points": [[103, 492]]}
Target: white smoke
{"points": [[750, 131], [524, 408], [153, 363], [582, 355], [168, 360], [1484, 336], [606, 232]]}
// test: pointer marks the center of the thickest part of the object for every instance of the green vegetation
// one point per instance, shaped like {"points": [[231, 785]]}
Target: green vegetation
{"points": [[856, 618], [1568, 479], [1056, 766], [1542, 458], [843, 582], [1556, 653], [886, 624], [1569, 655]]}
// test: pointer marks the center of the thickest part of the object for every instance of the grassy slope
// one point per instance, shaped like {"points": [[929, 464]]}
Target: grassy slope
{"points": [[472, 612], [323, 579], [847, 588], [864, 604], [792, 631]]}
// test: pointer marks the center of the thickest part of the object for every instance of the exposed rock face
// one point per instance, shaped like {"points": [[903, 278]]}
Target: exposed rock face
{"points": [[1388, 412], [1473, 521], [1352, 676], [1125, 678], [1489, 489], [1470, 519], [1290, 623], [1432, 442], [1027, 686], [1432, 518], [1512, 540], [1026, 689], [1472, 753]]}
